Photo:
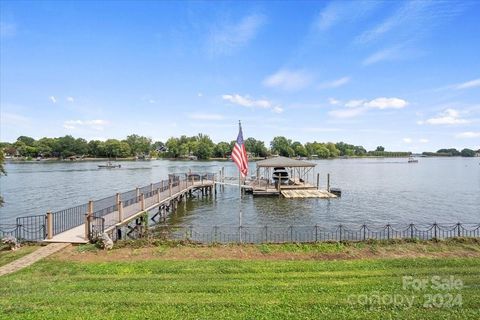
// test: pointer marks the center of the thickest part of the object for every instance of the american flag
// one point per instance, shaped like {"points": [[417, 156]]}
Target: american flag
{"points": [[239, 154]]}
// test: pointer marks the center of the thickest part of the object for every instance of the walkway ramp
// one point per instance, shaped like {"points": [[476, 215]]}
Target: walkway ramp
{"points": [[307, 193]]}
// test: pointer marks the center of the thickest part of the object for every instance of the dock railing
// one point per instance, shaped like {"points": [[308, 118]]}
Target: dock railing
{"points": [[40, 227]]}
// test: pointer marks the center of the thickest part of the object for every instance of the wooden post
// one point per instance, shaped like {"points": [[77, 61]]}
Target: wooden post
{"points": [[49, 225], [118, 197], [88, 219], [162, 185], [318, 180], [158, 195], [138, 191], [142, 202], [328, 182], [120, 211], [170, 187]]}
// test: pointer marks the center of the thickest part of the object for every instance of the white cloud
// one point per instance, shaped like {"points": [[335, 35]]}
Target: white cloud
{"points": [[468, 135], [423, 140], [333, 101], [354, 103], [70, 99], [227, 37], [246, 101], [288, 80], [205, 116], [343, 11], [347, 113], [407, 140], [386, 103], [447, 117], [469, 84], [53, 99], [89, 124], [335, 83], [151, 101], [200, 94], [277, 109], [359, 107]]}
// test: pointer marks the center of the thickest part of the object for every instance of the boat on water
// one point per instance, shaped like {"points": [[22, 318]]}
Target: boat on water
{"points": [[412, 160], [109, 165], [280, 175]]}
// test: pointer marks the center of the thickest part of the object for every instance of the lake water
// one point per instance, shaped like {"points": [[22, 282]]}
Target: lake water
{"points": [[375, 191]]}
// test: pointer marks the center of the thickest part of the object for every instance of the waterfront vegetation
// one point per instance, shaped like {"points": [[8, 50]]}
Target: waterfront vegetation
{"points": [[200, 146], [82, 282]]}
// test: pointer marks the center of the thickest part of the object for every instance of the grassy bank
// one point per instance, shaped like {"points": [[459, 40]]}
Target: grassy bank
{"points": [[199, 289], [152, 280], [7, 256]]}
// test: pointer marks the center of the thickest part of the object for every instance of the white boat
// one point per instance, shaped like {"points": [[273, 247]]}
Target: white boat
{"points": [[412, 160], [109, 165]]}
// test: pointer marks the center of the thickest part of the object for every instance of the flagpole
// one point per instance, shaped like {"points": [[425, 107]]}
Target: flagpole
{"points": [[240, 204]]}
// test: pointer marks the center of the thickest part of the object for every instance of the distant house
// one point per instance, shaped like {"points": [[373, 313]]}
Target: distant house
{"points": [[477, 154], [161, 149]]}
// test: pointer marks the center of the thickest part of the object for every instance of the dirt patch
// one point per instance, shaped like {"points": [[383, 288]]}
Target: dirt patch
{"points": [[272, 252]]}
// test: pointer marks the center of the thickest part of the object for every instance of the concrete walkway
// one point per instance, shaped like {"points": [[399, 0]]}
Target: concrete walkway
{"points": [[31, 258]]}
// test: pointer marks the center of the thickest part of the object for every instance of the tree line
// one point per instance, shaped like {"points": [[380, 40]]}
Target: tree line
{"points": [[200, 146]]}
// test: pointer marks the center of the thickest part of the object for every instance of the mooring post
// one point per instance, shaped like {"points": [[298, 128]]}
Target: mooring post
{"points": [[120, 211], [328, 182], [142, 202], [318, 180], [49, 225]]}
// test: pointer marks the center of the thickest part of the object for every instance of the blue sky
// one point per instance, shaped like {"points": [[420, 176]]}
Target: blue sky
{"points": [[405, 75]]}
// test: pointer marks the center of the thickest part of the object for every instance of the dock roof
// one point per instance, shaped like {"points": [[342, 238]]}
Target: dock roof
{"points": [[284, 162]]}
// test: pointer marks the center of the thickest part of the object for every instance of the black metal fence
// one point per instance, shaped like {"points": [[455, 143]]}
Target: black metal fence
{"points": [[309, 234], [31, 228]]}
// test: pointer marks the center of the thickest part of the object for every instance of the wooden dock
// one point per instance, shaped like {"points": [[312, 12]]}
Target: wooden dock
{"points": [[307, 193], [165, 200]]}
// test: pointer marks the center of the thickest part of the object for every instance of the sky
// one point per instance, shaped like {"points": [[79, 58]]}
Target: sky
{"points": [[404, 75]]}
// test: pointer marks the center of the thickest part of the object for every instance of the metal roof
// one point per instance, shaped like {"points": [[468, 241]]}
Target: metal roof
{"points": [[284, 162]]}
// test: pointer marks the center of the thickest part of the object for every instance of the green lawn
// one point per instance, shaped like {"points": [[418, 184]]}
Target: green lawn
{"points": [[7, 256], [247, 289]]}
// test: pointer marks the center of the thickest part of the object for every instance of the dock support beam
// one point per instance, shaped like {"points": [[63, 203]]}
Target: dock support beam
{"points": [[49, 225]]}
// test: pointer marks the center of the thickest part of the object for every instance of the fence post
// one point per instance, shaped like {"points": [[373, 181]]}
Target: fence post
{"points": [[291, 233], [364, 232], [340, 229], [120, 211], [49, 225], [151, 187], [266, 234], [142, 202], [170, 187], [435, 230], [162, 185], [215, 230], [117, 197], [88, 219], [316, 233], [137, 190], [328, 182], [458, 229], [411, 231], [158, 195], [318, 181], [388, 231]]}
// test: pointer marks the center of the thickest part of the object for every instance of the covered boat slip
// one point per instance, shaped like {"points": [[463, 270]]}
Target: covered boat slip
{"points": [[288, 177]]}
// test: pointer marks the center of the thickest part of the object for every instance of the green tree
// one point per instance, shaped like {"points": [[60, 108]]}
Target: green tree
{"points": [[117, 149], [29, 141], [139, 144], [204, 146], [380, 148], [467, 153], [299, 149], [222, 149], [282, 146]]}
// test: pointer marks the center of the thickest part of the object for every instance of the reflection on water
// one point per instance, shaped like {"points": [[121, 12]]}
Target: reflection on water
{"points": [[373, 191]]}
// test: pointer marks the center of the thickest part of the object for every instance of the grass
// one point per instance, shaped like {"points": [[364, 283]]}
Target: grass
{"points": [[239, 289], [7, 256]]}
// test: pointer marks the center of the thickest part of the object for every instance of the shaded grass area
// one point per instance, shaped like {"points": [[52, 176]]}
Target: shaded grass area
{"points": [[246, 289], [7, 256]]}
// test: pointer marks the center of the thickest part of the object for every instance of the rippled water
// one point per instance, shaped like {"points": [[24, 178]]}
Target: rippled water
{"points": [[373, 191]]}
